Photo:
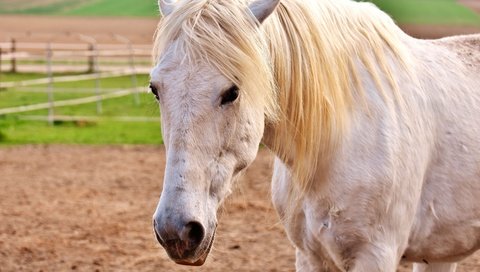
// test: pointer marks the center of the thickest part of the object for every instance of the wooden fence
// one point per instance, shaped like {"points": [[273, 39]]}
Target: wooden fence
{"points": [[94, 60], [71, 57]]}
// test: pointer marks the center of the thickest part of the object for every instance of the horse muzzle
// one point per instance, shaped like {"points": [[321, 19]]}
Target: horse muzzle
{"points": [[186, 244]]}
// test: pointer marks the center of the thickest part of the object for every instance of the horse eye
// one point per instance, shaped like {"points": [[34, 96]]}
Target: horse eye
{"points": [[154, 90], [230, 95]]}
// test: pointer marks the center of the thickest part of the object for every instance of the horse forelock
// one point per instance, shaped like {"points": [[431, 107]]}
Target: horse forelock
{"points": [[225, 35], [302, 65]]}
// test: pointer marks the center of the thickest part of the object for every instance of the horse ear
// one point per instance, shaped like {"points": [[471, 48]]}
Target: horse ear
{"points": [[261, 9], [166, 6]]}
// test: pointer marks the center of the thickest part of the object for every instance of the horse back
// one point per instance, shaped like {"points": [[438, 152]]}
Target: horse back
{"points": [[466, 47]]}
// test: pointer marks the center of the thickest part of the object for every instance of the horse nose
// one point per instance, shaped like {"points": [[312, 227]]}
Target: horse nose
{"points": [[193, 234], [180, 241]]}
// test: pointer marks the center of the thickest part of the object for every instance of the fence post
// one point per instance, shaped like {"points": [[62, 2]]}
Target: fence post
{"points": [[134, 74], [13, 52], [51, 113], [91, 58], [1, 64], [97, 80]]}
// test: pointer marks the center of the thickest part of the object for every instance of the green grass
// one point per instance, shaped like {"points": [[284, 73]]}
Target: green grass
{"points": [[117, 8], [8, 77], [403, 11], [12, 97], [137, 8], [15, 130], [448, 12]]}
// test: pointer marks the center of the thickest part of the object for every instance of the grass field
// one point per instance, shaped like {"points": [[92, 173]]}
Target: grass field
{"points": [[15, 130], [141, 8], [404, 11], [429, 12]]}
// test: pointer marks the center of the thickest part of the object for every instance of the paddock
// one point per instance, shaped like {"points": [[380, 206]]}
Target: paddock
{"points": [[89, 208]]}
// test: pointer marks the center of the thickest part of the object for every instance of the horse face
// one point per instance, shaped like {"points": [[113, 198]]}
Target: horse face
{"points": [[211, 134]]}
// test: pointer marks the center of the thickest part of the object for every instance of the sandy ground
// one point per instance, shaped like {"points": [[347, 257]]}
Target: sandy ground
{"points": [[27, 28], [139, 30], [89, 209]]}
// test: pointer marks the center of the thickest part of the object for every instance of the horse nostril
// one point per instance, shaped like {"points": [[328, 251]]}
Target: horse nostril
{"points": [[193, 234], [156, 232]]}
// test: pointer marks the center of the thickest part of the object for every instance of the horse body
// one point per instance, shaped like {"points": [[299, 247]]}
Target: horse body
{"points": [[375, 132], [447, 222], [405, 184]]}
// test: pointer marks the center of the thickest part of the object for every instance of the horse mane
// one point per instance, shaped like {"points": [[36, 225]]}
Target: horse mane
{"points": [[302, 65]]}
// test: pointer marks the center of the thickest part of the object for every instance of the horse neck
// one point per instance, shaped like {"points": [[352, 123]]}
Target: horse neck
{"points": [[315, 102], [270, 139]]}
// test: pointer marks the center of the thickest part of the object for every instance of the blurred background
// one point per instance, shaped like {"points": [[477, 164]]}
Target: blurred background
{"points": [[75, 71], [81, 161]]}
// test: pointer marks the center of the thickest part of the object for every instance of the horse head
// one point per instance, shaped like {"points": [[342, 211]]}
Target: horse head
{"points": [[207, 82]]}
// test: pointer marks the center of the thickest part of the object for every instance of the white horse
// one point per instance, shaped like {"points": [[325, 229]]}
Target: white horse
{"points": [[376, 134]]}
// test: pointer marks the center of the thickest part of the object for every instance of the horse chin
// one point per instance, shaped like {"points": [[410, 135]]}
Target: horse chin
{"points": [[197, 263], [202, 258]]}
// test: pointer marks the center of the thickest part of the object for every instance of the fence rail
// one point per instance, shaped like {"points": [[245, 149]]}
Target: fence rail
{"points": [[13, 51], [64, 103], [109, 53], [65, 118], [96, 60]]}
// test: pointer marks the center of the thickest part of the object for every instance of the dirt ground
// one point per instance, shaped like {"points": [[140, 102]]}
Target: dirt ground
{"points": [[139, 30], [26, 28], [473, 4], [89, 209]]}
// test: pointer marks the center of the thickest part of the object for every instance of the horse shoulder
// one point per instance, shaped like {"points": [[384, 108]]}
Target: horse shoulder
{"points": [[365, 206]]}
